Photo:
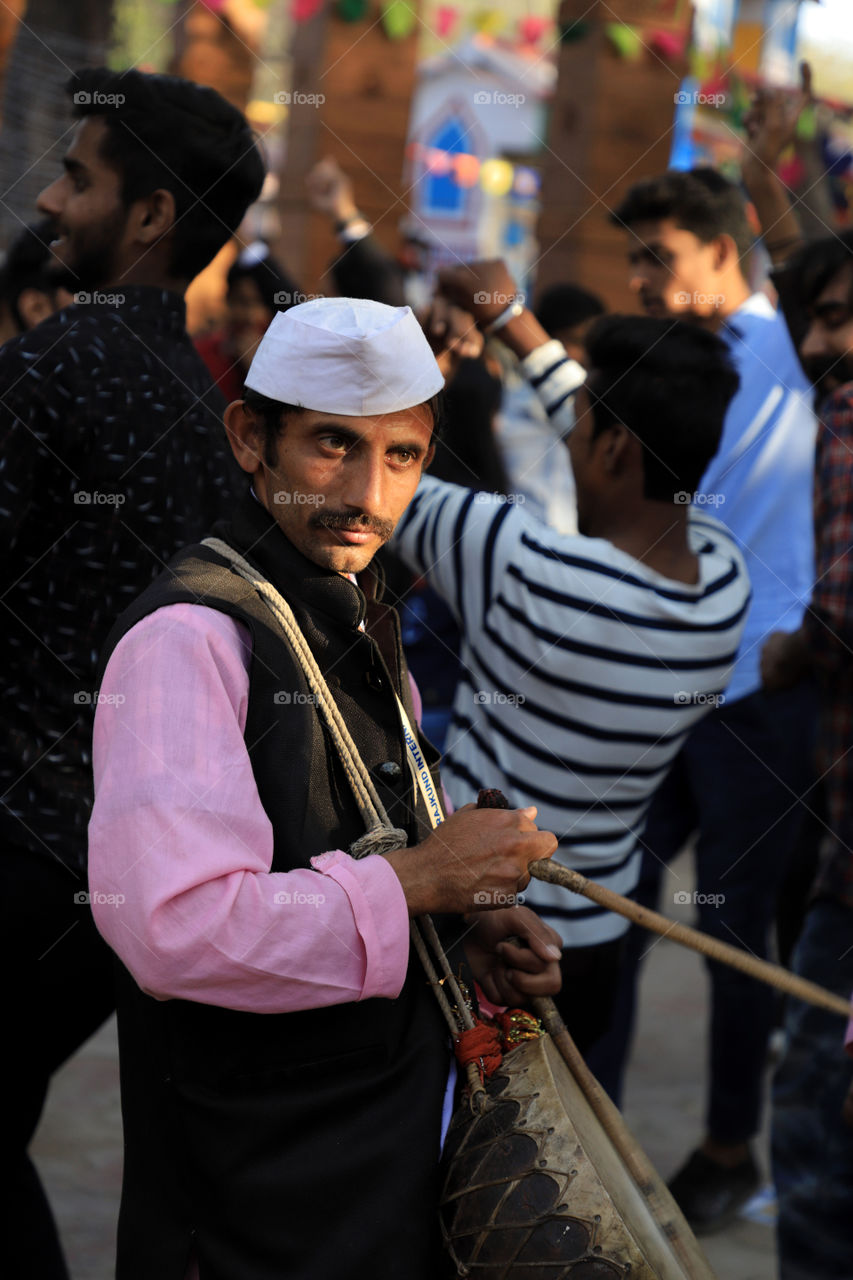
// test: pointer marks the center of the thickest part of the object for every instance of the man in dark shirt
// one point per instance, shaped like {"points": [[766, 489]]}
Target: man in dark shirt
{"points": [[112, 456], [812, 1147]]}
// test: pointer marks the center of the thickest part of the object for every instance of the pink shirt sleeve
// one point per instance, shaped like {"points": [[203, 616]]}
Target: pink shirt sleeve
{"points": [[180, 847]]}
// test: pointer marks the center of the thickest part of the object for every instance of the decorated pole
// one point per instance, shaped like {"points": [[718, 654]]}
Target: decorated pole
{"points": [[353, 64], [620, 68]]}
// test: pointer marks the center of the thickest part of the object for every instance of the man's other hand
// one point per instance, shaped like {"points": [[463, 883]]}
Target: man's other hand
{"points": [[452, 334], [484, 289], [513, 955]]}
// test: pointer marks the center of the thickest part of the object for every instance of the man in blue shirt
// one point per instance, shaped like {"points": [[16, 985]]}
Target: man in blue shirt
{"points": [[737, 782]]}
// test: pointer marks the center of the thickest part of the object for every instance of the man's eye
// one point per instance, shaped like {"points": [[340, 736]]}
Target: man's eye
{"points": [[404, 456], [335, 442]]}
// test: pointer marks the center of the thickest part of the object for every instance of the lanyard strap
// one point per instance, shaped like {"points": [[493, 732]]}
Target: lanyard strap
{"points": [[420, 769]]}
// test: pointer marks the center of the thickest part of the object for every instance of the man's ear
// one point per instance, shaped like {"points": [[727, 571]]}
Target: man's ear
{"points": [[615, 448], [725, 252], [241, 427], [153, 216]]}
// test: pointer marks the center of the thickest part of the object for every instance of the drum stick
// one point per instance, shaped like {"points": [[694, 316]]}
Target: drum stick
{"points": [[649, 1183], [713, 948]]}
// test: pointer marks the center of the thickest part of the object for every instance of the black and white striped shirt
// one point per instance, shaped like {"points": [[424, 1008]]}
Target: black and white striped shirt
{"points": [[582, 672]]}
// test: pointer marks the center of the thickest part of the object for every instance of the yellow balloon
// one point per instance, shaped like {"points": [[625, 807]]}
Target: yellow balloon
{"points": [[496, 177]]}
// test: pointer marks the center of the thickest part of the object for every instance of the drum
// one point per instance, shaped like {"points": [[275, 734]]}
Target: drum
{"points": [[533, 1188]]}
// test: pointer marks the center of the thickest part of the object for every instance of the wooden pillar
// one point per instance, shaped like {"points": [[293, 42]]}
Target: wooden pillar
{"points": [[350, 95], [611, 125]]}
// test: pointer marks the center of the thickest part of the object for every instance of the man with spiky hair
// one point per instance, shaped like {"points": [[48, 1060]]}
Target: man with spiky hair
{"points": [[111, 457]]}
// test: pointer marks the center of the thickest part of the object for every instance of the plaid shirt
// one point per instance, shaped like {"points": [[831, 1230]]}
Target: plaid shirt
{"points": [[829, 629]]}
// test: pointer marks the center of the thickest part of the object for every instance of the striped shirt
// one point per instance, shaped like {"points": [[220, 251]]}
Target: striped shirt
{"points": [[582, 672]]}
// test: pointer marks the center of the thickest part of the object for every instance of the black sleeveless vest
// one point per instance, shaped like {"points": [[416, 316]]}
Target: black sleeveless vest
{"points": [[298, 1146]]}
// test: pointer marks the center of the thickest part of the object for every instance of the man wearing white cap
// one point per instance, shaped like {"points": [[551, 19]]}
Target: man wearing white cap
{"points": [[283, 1061]]}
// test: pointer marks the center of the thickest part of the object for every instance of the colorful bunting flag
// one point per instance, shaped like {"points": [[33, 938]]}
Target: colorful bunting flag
{"points": [[398, 18], [445, 20], [626, 40]]}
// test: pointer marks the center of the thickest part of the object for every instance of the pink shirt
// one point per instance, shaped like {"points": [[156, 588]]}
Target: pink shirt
{"points": [[180, 847]]}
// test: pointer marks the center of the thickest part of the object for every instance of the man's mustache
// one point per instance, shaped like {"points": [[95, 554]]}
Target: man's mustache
{"points": [[355, 522]]}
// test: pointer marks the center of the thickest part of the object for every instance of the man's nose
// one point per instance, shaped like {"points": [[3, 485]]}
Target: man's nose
{"points": [[49, 200], [637, 279], [365, 484]]}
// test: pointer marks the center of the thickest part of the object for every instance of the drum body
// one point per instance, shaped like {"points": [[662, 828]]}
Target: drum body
{"points": [[533, 1189]]}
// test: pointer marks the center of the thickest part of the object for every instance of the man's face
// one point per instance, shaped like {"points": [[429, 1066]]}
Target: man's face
{"points": [[827, 348], [339, 485], [673, 272], [247, 319], [86, 211]]}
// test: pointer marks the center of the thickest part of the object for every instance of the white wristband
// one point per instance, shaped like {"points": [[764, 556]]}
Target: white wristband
{"points": [[512, 312]]}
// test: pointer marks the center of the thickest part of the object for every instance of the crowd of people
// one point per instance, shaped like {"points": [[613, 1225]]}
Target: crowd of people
{"points": [[603, 563]]}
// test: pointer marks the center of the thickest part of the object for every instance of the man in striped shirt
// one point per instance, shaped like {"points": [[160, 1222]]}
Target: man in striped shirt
{"points": [[588, 658]]}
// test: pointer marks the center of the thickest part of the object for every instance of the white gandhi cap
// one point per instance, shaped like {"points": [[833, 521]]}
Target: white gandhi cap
{"points": [[346, 355]]}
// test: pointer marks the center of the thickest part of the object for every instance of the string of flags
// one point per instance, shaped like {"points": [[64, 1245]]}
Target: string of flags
{"points": [[448, 21]]}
